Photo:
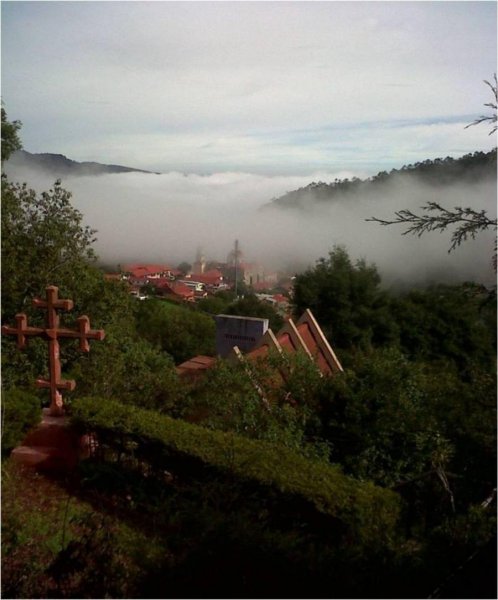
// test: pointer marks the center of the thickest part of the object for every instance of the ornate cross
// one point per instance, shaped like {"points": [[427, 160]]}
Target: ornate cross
{"points": [[52, 333]]}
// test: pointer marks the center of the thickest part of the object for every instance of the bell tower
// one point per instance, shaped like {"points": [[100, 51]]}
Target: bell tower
{"points": [[199, 265]]}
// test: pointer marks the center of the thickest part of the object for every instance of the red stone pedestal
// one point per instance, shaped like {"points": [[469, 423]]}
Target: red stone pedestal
{"points": [[51, 446]]}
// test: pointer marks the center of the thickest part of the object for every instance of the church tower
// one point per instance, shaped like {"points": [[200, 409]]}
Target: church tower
{"points": [[199, 265]]}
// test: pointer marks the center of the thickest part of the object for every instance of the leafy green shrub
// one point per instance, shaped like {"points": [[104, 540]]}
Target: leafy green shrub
{"points": [[21, 410], [367, 514], [251, 306], [180, 331], [259, 403], [347, 300], [131, 369]]}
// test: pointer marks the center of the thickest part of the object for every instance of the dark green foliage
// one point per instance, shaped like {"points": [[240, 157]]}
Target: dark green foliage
{"points": [[368, 513], [442, 322], [21, 367], [122, 363], [251, 306], [454, 322], [228, 296], [247, 306], [180, 331], [347, 301], [439, 172], [417, 428], [214, 305], [374, 416], [257, 403], [43, 243], [223, 537], [132, 369], [21, 410], [465, 547], [10, 139], [431, 436]]}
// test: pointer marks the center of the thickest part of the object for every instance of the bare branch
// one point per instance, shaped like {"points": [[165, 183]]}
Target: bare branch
{"points": [[493, 105], [468, 222]]}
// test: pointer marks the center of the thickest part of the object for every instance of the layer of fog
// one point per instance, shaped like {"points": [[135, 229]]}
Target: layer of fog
{"points": [[165, 218]]}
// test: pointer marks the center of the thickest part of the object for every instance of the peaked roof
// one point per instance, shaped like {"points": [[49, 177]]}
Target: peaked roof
{"points": [[143, 270], [198, 363], [175, 287], [211, 277], [305, 336]]}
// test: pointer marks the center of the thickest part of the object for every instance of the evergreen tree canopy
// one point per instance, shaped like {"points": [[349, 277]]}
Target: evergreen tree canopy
{"points": [[346, 299], [10, 139], [44, 242]]}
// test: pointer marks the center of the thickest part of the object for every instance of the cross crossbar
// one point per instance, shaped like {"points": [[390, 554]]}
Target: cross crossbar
{"points": [[52, 332]]}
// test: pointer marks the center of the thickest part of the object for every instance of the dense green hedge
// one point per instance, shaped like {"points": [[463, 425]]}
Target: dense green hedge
{"points": [[368, 514], [21, 410]]}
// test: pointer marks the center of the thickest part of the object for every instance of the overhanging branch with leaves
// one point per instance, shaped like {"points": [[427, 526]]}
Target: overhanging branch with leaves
{"points": [[437, 218]]}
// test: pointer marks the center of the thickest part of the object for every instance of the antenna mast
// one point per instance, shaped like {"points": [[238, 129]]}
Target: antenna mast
{"points": [[236, 261]]}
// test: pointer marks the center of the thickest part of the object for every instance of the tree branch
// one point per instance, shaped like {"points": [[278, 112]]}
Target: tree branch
{"points": [[469, 222], [493, 105]]}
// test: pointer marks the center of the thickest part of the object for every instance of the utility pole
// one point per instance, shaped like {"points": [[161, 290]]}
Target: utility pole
{"points": [[236, 261]]}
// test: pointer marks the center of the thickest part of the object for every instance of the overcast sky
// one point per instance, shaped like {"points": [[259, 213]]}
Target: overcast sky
{"points": [[260, 87]]}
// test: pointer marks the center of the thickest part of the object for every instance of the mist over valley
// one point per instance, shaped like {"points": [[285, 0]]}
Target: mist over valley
{"points": [[142, 216]]}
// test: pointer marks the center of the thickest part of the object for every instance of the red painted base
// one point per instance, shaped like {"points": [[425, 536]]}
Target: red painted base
{"points": [[51, 446]]}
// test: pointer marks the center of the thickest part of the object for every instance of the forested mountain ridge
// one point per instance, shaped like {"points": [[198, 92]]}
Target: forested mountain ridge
{"points": [[59, 165], [471, 168]]}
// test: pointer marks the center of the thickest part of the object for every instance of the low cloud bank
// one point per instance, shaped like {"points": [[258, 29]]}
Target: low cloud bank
{"points": [[141, 217]]}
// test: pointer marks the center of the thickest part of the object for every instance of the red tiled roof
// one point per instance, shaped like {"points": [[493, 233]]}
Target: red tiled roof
{"points": [[286, 342], [175, 287], [213, 273], [195, 366], [162, 281], [280, 298], [314, 348], [144, 270], [306, 336], [209, 277], [138, 280], [259, 352]]}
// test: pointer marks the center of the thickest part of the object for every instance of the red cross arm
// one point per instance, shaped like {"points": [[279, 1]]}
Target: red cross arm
{"points": [[53, 300], [21, 330], [63, 384], [84, 333]]}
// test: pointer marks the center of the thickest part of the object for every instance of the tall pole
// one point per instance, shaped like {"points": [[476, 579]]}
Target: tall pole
{"points": [[236, 261]]}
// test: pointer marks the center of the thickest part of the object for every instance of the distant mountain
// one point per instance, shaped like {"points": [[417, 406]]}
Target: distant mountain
{"points": [[471, 168], [59, 165]]}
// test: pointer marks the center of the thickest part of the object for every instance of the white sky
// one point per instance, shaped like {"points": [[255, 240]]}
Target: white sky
{"points": [[274, 88]]}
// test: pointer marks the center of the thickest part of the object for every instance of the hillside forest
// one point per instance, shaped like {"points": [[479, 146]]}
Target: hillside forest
{"points": [[437, 173], [378, 482]]}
